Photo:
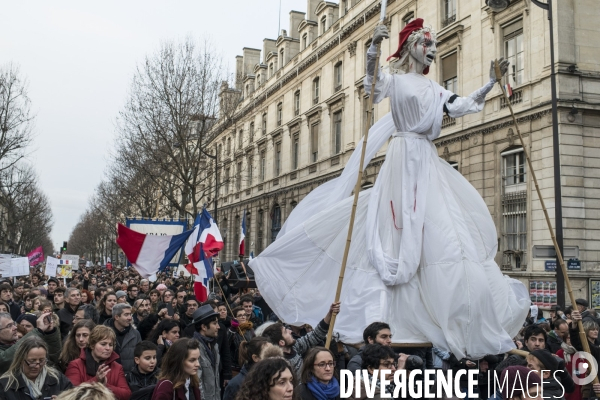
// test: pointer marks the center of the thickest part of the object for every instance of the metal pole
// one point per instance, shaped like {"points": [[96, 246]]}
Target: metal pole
{"points": [[216, 182], [558, 222]]}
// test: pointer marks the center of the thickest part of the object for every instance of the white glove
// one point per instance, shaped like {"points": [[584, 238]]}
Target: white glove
{"points": [[381, 32]]}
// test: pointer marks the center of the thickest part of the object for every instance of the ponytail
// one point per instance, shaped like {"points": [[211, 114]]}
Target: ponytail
{"points": [[250, 348]]}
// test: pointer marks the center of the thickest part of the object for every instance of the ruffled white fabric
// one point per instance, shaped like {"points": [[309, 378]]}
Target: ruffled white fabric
{"points": [[422, 253]]}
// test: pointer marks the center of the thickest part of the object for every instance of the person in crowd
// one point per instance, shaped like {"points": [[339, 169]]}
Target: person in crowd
{"points": [[376, 332], [66, 314], [145, 371], [377, 357], [98, 363], [240, 331], [87, 391], [87, 311], [293, 349], [141, 308], [105, 306], [132, 293], [251, 352], [27, 321], [29, 376], [121, 296], [534, 338], [180, 366], [253, 312], [566, 354], [148, 325], [126, 336], [545, 364], [190, 306], [318, 376], [582, 307], [558, 335], [224, 317], [520, 383], [28, 302], [164, 335], [18, 292], [154, 300], [167, 296], [5, 308], [86, 296], [270, 379], [52, 285], [45, 305], [76, 341], [181, 295], [6, 292], [8, 338], [206, 324], [58, 300]]}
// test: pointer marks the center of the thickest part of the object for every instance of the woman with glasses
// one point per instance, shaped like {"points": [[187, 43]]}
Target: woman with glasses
{"points": [[98, 363], [76, 341], [318, 376], [241, 330], [29, 377]]}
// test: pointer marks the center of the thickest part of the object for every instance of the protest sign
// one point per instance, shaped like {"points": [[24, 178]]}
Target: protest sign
{"points": [[51, 266]]}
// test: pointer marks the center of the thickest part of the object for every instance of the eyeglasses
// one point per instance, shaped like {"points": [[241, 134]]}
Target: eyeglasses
{"points": [[9, 326], [388, 365], [323, 365], [34, 363]]}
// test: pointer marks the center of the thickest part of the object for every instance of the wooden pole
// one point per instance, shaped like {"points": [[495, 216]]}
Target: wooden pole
{"points": [[561, 261], [356, 193]]}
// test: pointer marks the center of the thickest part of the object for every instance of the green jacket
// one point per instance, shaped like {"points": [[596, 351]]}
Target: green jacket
{"points": [[52, 339]]}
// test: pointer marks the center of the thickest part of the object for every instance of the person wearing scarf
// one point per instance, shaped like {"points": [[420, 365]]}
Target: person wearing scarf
{"points": [[566, 352], [241, 330], [29, 377], [318, 376]]}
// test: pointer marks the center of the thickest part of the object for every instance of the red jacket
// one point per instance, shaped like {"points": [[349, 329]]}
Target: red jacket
{"points": [[115, 380], [164, 391]]}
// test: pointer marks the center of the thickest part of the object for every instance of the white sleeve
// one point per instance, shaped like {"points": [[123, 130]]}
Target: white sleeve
{"points": [[382, 87], [459, 106]]}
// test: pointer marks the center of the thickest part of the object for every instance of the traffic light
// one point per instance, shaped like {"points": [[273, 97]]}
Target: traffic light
{"points": [[64, 248]]}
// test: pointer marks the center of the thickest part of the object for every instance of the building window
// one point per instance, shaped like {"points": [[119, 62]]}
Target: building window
{"points": [[297, 103], [250, 169], [337, 132], [337, 76], [238, 177], [264, 124], [277, 159], [514, 173], [271, 70], [260, 233], [240, 138], [219, 150], [258, 80], [323, 24], [228, 146], [251, 133], [304, 41], [275, 222], [316, 90], [513, 51], [263, 166], [295, 151], [449, 72], [514, 209], [344, 7], [281, 58], [408, 18], [449, 12], [314, 143], [279, 114], [226, 183]]}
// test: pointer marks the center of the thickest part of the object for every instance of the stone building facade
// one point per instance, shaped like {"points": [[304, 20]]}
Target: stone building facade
{"points": [[300, 108]]}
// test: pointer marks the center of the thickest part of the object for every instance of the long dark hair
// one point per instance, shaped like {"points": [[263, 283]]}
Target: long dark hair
{"points": [[308, 365], [164, 325], [102, 303], [251, 348], [259, 380], [172, 363], [70, 350]]}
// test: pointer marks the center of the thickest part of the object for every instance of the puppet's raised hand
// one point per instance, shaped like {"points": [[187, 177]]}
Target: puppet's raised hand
{"points": [[381, 32], [503, 68]]}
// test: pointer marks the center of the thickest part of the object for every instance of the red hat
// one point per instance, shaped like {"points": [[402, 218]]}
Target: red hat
{"points": [[412, 26]]}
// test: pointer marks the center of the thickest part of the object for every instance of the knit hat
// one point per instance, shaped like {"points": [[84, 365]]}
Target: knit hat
{"points": [[405, 33], [120, 293], [162, 286], [546, 358], [518, 380], [31, 318], [582, 302]]}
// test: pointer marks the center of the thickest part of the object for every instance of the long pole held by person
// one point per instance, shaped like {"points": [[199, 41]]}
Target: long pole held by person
{"points": [[561, 261], [367, 126]]}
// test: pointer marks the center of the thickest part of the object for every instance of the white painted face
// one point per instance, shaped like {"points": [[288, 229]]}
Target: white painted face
{"points": [[424, 50]]}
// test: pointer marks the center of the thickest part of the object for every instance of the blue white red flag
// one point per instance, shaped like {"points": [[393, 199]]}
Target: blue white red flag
{"points": [[243, 236], [204, 243], [149, 253], [509, 91]]}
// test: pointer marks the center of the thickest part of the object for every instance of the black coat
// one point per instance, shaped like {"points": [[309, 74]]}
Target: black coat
{"points": [[136, 380], [234, 385], [65, 316], [52, 387]]}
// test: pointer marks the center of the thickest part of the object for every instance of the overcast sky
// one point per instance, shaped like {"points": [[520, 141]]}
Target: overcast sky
{"points": [[79, 58]]}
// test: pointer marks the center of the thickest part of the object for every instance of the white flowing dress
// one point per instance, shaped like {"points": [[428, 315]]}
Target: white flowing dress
{"points": [[423, 247]]}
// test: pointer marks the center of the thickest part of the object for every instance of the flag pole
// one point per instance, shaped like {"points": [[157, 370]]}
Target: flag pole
{"points": [[357, 187], [582, 336]]}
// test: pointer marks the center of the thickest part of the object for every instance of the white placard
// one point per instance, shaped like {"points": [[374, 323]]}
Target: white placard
{"points": [[51, 265], [73, 258], [5, 264], [19, 266]]}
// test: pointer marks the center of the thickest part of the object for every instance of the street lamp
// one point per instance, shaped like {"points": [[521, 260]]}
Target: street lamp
{"points": [[500, 5]]}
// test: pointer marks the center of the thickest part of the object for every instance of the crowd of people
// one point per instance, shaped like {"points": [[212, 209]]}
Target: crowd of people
{"points": [[111, 333]]}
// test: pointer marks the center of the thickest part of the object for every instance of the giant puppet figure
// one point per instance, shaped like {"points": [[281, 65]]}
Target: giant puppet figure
{"points": [[423, 248]]}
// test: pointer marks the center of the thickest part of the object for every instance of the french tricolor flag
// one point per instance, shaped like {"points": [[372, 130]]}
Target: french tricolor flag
{"points": [[243, 236], [204, 243], [149, 253], [508, 89]]}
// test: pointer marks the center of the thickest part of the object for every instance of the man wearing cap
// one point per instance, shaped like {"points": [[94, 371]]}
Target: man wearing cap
{"points": [[66, 314], [586, 315], [546, 365], [206, 323], [121, 296], [6, 292], [520, 383], [52, 285], [190, 306]]}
